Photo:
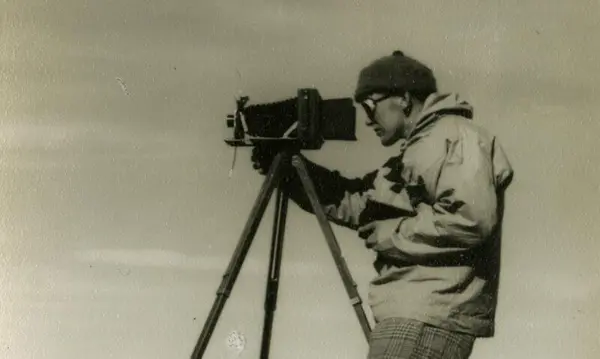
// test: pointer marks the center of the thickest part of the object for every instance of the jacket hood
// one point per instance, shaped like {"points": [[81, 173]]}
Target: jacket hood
{"points": [[438, 104], [451, 104]]}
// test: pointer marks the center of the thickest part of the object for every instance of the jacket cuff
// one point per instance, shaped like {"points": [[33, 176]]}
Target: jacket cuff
{"points": [[384, 246]]}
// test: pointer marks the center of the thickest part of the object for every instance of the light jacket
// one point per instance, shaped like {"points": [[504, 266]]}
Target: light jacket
{"points": [[445, 191]]}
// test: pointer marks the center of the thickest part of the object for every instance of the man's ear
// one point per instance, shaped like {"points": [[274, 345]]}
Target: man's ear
{"points": [[404, 101]]}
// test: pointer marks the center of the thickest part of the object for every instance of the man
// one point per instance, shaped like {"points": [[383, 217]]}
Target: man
{"points": [[433, 213]]}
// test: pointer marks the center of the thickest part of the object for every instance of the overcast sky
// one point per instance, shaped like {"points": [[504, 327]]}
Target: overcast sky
{"points": [[118, 216]]}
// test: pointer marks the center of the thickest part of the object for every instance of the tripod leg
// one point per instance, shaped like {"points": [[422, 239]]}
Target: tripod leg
{"points": [[239, 255], [336, 252], [274, 269]]}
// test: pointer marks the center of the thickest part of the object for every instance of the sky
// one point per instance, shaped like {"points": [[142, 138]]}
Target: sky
{"points": [[118, 215]]}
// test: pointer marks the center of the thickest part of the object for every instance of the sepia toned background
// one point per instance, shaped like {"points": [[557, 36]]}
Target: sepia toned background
{"points": [[118, 215]]}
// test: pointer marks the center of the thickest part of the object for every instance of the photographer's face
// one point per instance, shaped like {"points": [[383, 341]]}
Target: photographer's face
{"points": [[386, 117]]}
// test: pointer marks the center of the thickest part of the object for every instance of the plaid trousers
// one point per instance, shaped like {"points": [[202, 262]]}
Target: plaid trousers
{"points": [[398, 338]]}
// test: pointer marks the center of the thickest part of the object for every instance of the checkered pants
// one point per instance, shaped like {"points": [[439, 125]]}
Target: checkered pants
{"points": [[398, 338]]}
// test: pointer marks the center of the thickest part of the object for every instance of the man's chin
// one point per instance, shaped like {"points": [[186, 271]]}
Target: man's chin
{"points": [[387, 142]]}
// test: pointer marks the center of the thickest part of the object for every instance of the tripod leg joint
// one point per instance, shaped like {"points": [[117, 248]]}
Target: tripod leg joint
{"points": [[355, 301]]}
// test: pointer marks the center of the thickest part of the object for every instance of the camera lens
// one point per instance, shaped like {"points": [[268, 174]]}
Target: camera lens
{"points": [[230, 121]]}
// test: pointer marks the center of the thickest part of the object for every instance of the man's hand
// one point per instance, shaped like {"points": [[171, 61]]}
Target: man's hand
{"points": [[376, 232], [262, 157]]}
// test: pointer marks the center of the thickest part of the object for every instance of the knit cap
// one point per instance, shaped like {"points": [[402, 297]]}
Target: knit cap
{"points": [[392, 74]]}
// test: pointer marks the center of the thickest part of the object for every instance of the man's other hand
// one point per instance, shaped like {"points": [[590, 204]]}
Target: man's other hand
{"points": [[376, 232]]}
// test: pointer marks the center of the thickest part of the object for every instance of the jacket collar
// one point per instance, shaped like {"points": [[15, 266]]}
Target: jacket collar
{"points": [[437, 105]]}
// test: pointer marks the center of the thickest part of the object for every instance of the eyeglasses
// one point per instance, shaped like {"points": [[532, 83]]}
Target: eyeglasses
{"points": [[370, 105]]}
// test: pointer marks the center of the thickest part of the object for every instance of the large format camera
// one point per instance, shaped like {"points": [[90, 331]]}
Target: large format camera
{"points": [[305, 120]]}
